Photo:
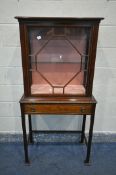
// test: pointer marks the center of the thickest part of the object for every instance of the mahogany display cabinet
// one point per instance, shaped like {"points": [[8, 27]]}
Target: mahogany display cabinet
{"points": [[58, 60]]}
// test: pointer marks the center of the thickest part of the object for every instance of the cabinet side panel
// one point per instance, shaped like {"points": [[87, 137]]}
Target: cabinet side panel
{"points": [[92, 58], [24, 58]]}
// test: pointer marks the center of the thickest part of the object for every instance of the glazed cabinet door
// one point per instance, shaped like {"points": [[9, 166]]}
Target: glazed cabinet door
{"points": [[58, 59]]}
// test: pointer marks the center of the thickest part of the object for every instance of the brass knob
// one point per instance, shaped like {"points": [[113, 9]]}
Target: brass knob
{"points": [[32, 109], [82, 109]]}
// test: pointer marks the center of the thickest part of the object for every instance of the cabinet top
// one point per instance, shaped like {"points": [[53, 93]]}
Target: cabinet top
{"points": [[71, 19]]}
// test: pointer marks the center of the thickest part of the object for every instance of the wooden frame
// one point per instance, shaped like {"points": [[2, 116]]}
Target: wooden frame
{"points": [[58, 103], [82, 106]]}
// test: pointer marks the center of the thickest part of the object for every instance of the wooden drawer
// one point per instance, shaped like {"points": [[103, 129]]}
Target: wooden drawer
{"points": [[57, 108]]}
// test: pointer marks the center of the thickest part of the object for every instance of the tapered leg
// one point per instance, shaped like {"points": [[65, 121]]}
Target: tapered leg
{"points": [[89, 139], [25, 139], [83, 129], [30, 129]]}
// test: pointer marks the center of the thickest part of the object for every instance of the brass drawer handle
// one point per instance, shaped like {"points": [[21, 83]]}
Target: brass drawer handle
{"points": [[33, 110], [82, 109]]}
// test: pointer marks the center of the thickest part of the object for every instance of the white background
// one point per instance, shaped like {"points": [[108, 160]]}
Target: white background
{"points": [[11, 83]]}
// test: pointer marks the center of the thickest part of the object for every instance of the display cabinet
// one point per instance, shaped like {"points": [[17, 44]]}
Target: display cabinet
{"points": [[58, 60]]}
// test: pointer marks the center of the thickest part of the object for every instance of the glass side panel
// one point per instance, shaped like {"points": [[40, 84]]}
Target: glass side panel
{"points": [[58, 60]]}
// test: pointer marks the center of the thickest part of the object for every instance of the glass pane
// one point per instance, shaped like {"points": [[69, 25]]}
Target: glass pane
{"points": [[58, 60]]}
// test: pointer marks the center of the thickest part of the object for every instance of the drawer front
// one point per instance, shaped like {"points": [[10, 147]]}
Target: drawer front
{"points": [[58, 108]]}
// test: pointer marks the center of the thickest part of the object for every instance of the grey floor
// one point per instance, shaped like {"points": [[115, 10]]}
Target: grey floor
{"points": [[57, 154]]}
